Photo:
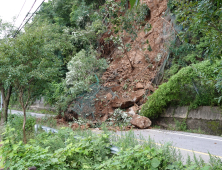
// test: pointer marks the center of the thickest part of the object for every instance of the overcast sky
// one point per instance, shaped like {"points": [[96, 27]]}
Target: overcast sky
{"points": [[11, 8]]}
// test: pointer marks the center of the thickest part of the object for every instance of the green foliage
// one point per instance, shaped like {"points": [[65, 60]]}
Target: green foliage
{"points": [[68, 12], [120, 116], [16, 122], [219, 82], [197, 80], [201, 20], [133, 2], [6, 30], [63, 151], [200, 37], [181, 126], [131, 21], [82, 69], [55, 151], [138, 158], [87, 38]]}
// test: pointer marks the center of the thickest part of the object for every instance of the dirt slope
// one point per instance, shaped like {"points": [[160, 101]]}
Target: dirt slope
{"points": [[131, 86]]}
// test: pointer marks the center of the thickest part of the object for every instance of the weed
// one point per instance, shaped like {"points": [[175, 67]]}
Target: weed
{"points": [[125, 86], [181, 126]]}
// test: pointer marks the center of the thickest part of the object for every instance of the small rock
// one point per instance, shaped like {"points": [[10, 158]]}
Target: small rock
{"points": [[139, 86], [140, 121], [75, 126], [133, 110], [109, 96]]}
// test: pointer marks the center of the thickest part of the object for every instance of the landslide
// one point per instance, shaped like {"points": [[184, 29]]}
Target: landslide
{"points": [[126, 87], [131, 86]]}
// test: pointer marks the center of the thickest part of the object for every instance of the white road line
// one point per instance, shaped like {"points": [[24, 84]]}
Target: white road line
{"points": [[187, 135]]}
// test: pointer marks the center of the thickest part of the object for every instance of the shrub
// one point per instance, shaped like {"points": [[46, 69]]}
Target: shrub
{"points": [[45, 153], [16, 122], [192, 85], [82, 69]]}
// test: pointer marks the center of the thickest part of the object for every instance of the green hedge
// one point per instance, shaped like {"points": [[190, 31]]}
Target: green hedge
{"points": [[193, 86]]}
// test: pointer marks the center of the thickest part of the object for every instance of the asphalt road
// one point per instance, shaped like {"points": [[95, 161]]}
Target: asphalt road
{"points": [[37, 115], [186, 143]]}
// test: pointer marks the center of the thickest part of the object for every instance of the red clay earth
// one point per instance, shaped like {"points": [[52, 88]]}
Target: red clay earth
{"points": [[132, 86]]}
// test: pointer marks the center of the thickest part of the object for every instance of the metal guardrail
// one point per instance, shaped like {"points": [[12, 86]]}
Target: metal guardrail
{"points": [[114, 149]]}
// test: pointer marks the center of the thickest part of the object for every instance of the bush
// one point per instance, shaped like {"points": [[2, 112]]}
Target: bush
{"points": [[63, 151], [16, 122], [54, 151], [82, 69], [192, 85]]}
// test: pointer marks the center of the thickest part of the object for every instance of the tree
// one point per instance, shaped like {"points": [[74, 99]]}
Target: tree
{"points": [[6, 30], [32, 63], [5, 86]]}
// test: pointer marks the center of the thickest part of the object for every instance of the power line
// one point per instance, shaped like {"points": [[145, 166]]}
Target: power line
{"points": [[33, 14], [30, 17], [36, 19], [23, 20], [19, 13]]}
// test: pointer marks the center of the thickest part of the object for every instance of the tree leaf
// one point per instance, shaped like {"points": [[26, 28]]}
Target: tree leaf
{"points": [[155, 162], [133, 2]]}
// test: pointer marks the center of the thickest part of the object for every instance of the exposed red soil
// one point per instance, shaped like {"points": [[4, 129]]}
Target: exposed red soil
{"points": [[129, 87], [132, 85]]}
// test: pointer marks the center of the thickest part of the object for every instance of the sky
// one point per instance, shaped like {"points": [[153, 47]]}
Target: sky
{"points": [[11, 8]]}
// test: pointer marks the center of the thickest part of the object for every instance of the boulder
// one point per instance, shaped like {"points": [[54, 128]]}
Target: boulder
{"points": [[122, 103], [140, 121]]}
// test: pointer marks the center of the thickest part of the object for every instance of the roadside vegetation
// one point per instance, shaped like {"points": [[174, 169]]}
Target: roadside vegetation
{"points": [[193, 71], [82, 149], [60, 54]]}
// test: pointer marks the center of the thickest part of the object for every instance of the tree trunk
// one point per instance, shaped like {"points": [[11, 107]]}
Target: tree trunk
{"points": [[23, 127], [6, 100], [126, 53]]}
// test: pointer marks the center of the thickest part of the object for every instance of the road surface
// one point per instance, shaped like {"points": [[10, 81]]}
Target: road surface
{"points": [[187, 143], [37, 115]]}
